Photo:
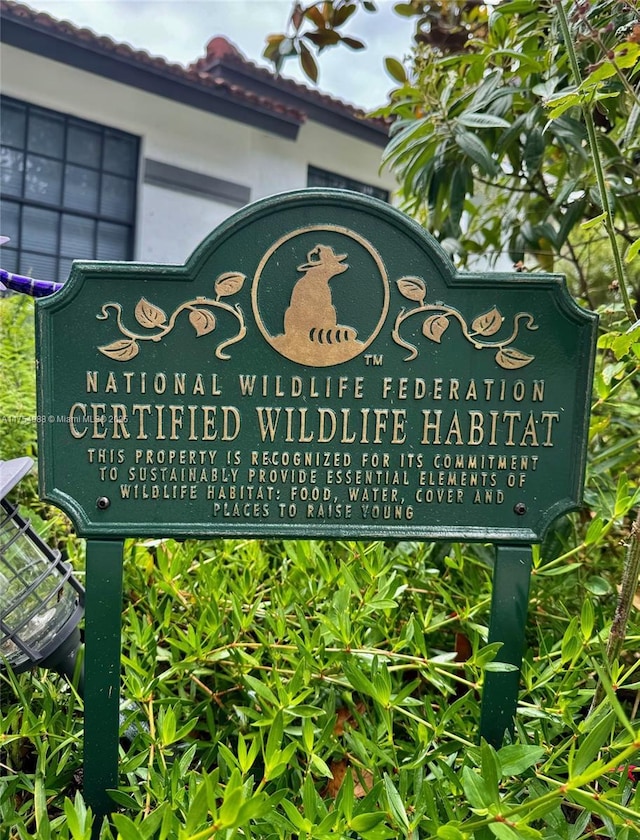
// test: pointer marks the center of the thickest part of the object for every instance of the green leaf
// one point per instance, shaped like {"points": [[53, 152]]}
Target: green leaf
{"points": [[73, 820], [500, 667], [125, 800], [343, 13], [474, 148], [353, 43], [613, 701], [40, 807], [490, 771], [405, 9], [597, 585], [308, 63], [396, 70], [631, 127], [592, 744], [358, 680], [560, 570], [296, 817], [127, 829], [518, 7], [533, 152], [561, 102], [571, 641], [152, 821], [516, 758], [365, 822], [457, 193], [321, 766], [632, 251], [230, 809], [449, 832], [472, 119], [570, 218], [594, 222], [257, 806], [504, 832], [198, 809], [396, 806], [486, 654], [167, 726], [262, 690], [274, 739], [478, 794], [590, 803], [587, 619]]}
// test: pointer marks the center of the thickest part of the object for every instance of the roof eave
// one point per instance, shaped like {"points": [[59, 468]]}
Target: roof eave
{"points": [[297, 96], [55, 46]]}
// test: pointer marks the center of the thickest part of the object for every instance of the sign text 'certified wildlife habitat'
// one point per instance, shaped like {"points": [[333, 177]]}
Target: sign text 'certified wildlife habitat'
{"points": [[317, 368]]}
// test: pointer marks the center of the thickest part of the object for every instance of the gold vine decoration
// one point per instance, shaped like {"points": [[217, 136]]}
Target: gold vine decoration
{"points": [[201, 318], [483, 326]]}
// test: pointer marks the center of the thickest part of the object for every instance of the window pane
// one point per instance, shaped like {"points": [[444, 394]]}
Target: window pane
{"points": [[76, 239], [117, 197], [113, 241], [81, 188], [64, 270], [40, 230], [12, 124], [9, 260], [322, 178], [61, 177], [84, 146], [43, 181], [11, 168], [10, 221], [120, 155], [38, 266], [46, 134]]}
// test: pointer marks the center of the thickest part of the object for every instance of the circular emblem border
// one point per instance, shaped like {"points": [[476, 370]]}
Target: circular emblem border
{"points": [[310, 229]]}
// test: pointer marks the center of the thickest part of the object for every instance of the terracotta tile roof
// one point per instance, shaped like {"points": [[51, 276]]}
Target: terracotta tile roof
{"points": [[222, 55], [223, 71]]}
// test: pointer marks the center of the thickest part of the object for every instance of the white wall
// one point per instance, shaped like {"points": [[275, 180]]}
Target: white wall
{"points": [[172, 223]]}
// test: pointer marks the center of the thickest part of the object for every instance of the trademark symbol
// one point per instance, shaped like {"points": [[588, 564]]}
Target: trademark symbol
{"points": [[374, 359]]}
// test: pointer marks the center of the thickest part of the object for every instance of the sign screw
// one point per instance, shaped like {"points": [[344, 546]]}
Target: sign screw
{"points": [[102, 503], [520, 508]]}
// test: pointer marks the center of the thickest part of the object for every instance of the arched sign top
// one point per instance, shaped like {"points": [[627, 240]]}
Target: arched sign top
{"points": [[316, 368]]}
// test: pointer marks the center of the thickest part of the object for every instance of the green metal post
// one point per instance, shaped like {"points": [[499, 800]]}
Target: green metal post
{"points": [[102, 674], [511, 578]]}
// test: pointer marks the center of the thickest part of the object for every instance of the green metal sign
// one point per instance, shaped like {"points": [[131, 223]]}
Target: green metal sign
{"points": [[317, 368]]}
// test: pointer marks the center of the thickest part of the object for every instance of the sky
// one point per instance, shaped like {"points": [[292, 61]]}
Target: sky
{"points": [[178, 30]]}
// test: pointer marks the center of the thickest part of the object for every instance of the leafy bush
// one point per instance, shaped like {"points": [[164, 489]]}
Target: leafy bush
{"points": [[263, 700], [17, 377]]}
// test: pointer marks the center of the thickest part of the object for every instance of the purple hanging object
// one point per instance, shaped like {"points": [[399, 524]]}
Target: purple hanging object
{"points": [[28, 285]]}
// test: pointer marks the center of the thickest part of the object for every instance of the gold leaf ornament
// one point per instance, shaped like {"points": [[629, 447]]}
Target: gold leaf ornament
{"points": [[202, 321], [487, 324], [149, 315], [122, 350], [413, 288], [229, 283], [510, 358], [434, 327]]}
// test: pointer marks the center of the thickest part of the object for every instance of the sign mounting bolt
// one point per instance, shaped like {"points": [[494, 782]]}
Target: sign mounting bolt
{"points": [[102, 503], [520, 508]]}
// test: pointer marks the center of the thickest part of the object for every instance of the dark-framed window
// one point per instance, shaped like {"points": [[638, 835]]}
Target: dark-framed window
{"points": [[321, 178], [67, 190]]}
